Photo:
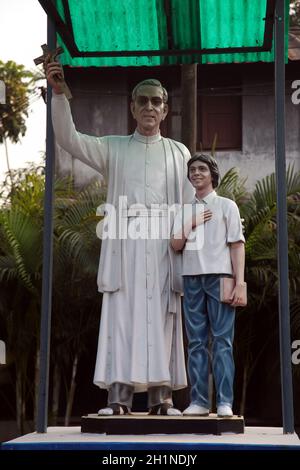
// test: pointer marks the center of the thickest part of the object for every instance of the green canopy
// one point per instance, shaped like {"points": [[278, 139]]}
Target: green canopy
{"points": [[161, 32]]}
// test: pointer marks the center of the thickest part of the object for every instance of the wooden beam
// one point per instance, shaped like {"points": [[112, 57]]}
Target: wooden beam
{"points": [[189, 106]]}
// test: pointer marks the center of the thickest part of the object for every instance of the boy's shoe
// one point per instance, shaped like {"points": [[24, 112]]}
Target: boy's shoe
{"points": [[196, 410], [224, 411]]}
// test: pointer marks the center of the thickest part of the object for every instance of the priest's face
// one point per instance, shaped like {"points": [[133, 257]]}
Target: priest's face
{"points": [[148, 109]]}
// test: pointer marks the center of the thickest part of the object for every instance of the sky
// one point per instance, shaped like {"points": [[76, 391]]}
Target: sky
{"points": [[23, 29]]}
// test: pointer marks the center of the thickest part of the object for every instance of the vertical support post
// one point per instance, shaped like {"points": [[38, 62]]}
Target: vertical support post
{"points": [[282, 229], [42, 417], [189, 106]]}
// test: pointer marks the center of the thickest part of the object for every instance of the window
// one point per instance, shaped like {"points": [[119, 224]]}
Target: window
{"points": [[220, 116]]}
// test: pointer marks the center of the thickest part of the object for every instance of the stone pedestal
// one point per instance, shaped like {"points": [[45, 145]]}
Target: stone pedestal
{"points": [[142, 423]]}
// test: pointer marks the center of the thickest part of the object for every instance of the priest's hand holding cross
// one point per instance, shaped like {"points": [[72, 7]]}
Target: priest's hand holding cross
{"points": [[53, 70]]}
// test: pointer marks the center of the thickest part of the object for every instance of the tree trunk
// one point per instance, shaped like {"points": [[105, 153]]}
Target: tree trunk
{"points": [[189, 106], [56, 393], [71, 391], [7, 161]]}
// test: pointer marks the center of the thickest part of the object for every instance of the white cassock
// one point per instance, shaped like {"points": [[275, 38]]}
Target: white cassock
{"points": [[140, 338]]}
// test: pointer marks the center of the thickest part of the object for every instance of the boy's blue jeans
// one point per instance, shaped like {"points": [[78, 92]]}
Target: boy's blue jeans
{"points": [[204, 312]]}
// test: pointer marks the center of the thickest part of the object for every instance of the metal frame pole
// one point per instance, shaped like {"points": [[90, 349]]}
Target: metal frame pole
{"points": [[42, 417], [282, 229]]}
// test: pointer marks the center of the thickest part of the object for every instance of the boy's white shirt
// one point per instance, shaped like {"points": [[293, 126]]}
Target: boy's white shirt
{"points": [[211, 240]]}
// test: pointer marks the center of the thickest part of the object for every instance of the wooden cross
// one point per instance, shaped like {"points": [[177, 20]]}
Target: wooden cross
{"points": [[50, 56]]}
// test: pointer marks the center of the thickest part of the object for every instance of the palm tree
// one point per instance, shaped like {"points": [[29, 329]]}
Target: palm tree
{"points": [[76, 301], [76, 258], [20, 274], [19, 85], [259, 212]]}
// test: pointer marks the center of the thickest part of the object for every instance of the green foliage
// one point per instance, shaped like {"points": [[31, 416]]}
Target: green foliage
{"points": [[76, 253], [21, 229], [18, 83], [233, 186], [76, 227], [21, 233]]}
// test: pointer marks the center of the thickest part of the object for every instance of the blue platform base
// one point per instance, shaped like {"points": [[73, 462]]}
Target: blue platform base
{"points": [[72, 439]]}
